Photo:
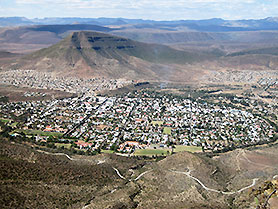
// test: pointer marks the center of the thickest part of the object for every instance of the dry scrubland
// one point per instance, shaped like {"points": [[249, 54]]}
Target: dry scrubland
{"points": [[32, 179]]}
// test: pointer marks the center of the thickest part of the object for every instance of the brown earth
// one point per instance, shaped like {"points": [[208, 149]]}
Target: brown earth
{"points": [[31, 179], [15, 94]]}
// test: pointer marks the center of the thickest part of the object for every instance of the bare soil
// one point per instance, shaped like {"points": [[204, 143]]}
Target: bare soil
{"points": [[16, 94]]}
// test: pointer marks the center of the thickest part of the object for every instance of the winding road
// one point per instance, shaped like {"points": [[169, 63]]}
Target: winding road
{"points": [[214, 190], [137, 178], [119, 174], [188, 174], [142, 174], [57, 154], [100, 162], [243, 155]]}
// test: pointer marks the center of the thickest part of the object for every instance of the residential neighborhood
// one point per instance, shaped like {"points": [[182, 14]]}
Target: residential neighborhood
{"points": [[138, 120], [46, 80]]}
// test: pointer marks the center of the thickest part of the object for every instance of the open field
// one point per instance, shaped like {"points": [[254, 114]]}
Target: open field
{"points": [[5, 120], [151, 152], [157, 123], [107, 151], [182, 148], [179, 148], [67, 146], [38, 132], [14, 124], [167, 130]]}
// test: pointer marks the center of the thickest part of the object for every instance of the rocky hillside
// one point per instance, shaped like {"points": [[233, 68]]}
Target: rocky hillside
{"points": [[31, 178]]}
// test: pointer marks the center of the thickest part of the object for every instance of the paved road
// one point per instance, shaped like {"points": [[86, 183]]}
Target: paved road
{"points": [[84, 120]]}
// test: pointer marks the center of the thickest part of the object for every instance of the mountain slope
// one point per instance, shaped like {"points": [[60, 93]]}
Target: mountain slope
{"points": [[266, 51], [255, 59], [33, 179], [96, 54], [113, 47], [188, 180], [150, 35]]}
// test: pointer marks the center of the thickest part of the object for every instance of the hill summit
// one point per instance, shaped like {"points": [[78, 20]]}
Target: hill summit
{"points": [[93, 54]]}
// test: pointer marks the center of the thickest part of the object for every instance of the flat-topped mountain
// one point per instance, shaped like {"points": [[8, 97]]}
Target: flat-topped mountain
{"points": [[94, 54], [27, 39]]}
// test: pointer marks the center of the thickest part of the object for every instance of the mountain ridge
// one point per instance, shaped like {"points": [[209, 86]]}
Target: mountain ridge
{"points": [[267, 23], [97, 54]]}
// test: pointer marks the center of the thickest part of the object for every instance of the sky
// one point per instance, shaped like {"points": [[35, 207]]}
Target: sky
{"points": [[142, 9]]}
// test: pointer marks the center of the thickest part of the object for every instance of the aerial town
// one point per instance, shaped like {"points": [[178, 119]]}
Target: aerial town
{"points": [[136, 121], [154, 104], [45, 80]]}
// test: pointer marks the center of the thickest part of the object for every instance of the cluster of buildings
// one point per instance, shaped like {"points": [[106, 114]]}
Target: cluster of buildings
{"points": [[47, 80], [269, 81], [246, 76], [140, 120], [33, 94]]}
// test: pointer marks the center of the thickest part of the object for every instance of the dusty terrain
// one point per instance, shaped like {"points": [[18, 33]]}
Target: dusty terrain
{"points": [[15, 94], [182, 180], [33, 179], [187, 180]]}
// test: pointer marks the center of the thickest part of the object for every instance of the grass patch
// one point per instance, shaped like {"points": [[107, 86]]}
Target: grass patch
{"points": [[154, 122], [66, 146], [107, 151], [256, 201], [167, 130], [38, 132], [181, 148], [151, 152], [14, 124], [5, 120]]}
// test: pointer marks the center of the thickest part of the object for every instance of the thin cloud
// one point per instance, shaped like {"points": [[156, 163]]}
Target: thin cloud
{"points": [[146, 9]]}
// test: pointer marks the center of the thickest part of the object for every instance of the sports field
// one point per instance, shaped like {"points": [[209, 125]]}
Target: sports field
{"points": [[4, 120], [151, 152], [167, 130], [107, 151], [165, 152], [155, 122], [66, 146], [38, 132], [181, 148]]}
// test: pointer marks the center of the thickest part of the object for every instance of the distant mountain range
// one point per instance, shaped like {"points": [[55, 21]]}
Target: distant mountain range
{"points": [[178, 51], [26, 39], [93, 54], [209, 25]]}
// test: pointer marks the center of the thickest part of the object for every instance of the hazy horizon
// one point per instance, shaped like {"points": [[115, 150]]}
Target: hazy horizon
{"points": [[143, 9], [100, 17]]}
